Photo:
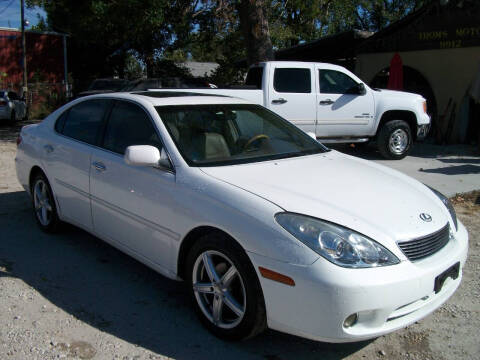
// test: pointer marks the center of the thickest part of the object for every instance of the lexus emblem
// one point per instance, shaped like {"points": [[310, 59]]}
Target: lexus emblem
{"points": [[425, 217]]}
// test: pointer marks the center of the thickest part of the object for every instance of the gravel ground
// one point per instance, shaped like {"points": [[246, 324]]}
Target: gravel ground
{"points": [[73, 296]]}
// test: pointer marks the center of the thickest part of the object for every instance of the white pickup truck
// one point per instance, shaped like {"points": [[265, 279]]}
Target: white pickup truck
{"points": [[335, 105]]}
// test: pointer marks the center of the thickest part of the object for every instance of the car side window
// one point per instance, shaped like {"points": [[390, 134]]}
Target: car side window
{"points": [[60, 123], [292, 80], [129, 125], [84, 120], [336, 82], [12, 95]]}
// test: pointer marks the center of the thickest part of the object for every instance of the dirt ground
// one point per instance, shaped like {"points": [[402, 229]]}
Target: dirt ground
{"points": [[72, 296]]}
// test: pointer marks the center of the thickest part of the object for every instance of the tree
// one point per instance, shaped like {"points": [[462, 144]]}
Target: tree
{"points": [[103, 33], [253, 16]]}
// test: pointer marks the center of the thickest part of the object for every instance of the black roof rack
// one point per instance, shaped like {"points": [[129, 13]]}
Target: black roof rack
{"points": [[166, 94]]}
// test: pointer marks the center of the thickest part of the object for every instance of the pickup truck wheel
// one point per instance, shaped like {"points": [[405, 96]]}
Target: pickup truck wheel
{"points": [[225, 289], [395, 140]]}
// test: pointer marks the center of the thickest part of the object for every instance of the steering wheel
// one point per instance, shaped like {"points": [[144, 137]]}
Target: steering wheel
{"points": [[253, 139]]}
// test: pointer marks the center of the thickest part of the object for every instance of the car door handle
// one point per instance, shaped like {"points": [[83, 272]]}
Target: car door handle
{"points": [[326, 102], [279, 101], [48, 148], [99, 166]]}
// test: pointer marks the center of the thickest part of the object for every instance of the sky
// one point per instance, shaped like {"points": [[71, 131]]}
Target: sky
{"points": [[10, 14]]}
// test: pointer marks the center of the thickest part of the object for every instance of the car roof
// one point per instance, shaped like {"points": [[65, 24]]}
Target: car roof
{"points": [[166, 98]]}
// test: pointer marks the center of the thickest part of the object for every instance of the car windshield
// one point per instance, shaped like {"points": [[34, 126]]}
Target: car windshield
{"points": [[215, 135]]}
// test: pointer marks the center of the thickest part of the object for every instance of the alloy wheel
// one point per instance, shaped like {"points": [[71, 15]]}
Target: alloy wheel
{"points": [[398, 141], [41, 199], [219, 289]]}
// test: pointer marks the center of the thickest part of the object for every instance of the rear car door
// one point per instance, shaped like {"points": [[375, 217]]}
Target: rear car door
{"points": [[341, 110], [292, 95], [67, 158], [132, 206]]}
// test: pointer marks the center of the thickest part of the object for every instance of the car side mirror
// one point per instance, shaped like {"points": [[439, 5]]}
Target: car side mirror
{"points": [[144, 155]]}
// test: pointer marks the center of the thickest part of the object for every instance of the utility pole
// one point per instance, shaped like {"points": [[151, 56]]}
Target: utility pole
{"points": [[24, 51]]}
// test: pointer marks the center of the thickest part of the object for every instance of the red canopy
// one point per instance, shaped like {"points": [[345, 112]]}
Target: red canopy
{"points": [[395, 80]]}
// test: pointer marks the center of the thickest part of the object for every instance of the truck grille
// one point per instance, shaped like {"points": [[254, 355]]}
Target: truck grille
{"points": [[421, 248]]}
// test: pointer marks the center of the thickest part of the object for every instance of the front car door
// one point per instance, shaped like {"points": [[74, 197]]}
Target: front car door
{"points": [[131, 205], [341, 110], [67, 157], [292, 94]]}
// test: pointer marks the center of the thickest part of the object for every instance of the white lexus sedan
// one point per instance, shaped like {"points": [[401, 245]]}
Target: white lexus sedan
{"points": [[267, 227]]}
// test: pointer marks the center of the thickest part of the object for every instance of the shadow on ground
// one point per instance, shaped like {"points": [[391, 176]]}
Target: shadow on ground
{"points": [[419, 150], [454, 170], [110, 291]]}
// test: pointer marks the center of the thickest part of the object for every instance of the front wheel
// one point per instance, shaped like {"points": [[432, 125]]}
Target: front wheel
{"points": [[225, 289], [395, 140]]}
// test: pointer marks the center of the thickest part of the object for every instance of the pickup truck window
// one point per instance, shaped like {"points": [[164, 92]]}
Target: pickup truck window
{"points": [[254, 77], [336, 82], [216, 135], [12, 95], [292, 80]]}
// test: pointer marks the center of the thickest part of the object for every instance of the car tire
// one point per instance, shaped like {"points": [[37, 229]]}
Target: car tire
{"points": [[43, 203], [395, 139], [232, 307]]}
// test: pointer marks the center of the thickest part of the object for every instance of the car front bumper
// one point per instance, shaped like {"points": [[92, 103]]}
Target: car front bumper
{"points": [[385, 298]]}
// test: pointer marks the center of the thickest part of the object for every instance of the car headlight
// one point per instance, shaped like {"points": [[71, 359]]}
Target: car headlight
{"points": [[447, 204], [335, 243]]}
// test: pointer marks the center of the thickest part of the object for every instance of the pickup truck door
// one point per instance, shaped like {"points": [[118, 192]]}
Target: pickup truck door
{"points": [[292, 94], [342, 111]]}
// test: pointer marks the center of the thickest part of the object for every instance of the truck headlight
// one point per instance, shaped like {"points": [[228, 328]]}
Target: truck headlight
{"points": [[335, 243], [447, 204]]}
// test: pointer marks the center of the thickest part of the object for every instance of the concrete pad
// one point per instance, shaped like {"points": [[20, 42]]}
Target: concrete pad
{"points": [[450, 169]]}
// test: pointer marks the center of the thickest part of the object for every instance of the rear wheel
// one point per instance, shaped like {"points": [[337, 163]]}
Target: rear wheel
{"points": [[225, 289], [395, 139], [44, 204]]}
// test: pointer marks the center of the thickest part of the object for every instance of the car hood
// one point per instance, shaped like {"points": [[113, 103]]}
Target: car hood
{"points": [[397, 94], [369, 198]]}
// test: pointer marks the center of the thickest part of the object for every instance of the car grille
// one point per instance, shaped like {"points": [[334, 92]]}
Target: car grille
{"points": [[422, 247]]}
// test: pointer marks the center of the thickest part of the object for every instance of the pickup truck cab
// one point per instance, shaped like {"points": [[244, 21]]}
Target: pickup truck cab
{"points": [[335, 105]]}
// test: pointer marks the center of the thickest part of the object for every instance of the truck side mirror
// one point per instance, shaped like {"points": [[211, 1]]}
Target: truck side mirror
{"points": [[361, 89]]}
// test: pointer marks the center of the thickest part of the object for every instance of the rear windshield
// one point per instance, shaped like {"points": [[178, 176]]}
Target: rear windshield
{"points": [[216, 135]]}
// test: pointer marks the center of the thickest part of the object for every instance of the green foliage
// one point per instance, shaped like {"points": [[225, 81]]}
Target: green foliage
{"points": [[133, 68], [104, 33]]}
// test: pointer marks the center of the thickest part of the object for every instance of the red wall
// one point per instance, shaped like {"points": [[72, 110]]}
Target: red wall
{"points": [[44, 57]]}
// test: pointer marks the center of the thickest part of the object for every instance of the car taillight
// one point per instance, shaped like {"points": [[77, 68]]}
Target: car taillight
{"points": [[3, 103], [19, 139]]}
